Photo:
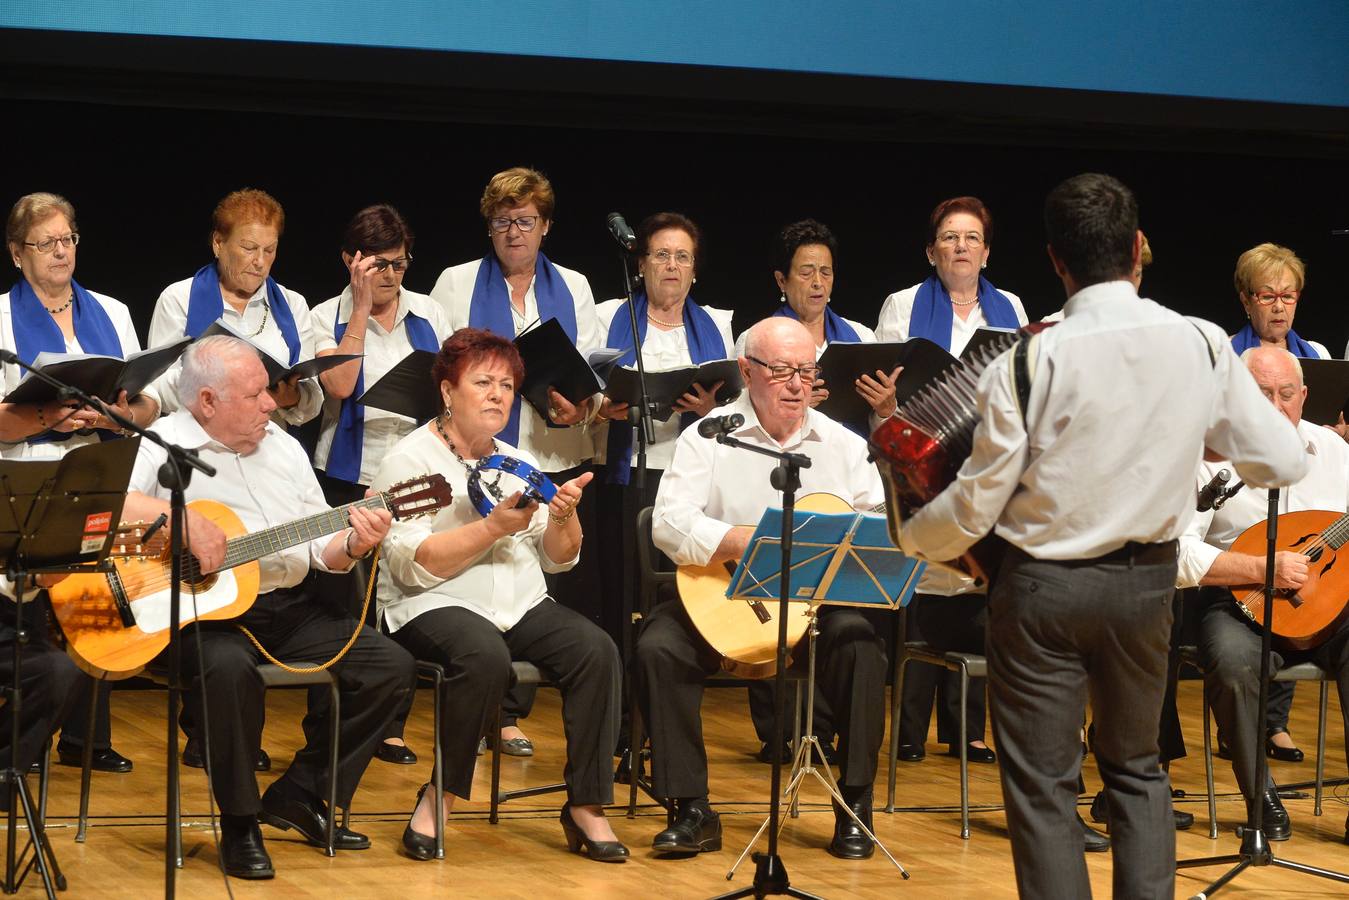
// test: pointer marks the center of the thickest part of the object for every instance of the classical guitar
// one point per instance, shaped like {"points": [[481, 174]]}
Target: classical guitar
{"points": [[117, 620], [1305, 617], [745, 633]]}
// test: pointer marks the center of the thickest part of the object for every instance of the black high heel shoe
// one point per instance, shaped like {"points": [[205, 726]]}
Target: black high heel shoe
{"points": [[600, 851], [418, 845], [1282, 754]]}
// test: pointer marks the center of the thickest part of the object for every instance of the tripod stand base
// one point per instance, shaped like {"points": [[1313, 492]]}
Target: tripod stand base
{"points": [[1255, 851], [770, 877]]}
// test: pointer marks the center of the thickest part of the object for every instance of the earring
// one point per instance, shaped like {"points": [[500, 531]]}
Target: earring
{"points": [[931, 262], [983, 265], [695, 279], [449, 414], [782, 298]]}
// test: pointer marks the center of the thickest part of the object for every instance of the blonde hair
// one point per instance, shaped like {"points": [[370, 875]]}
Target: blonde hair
{"points": [[1263, 258], [516, 187], [32, 209]]}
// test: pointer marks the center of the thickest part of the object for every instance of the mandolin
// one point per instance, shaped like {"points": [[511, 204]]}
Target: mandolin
{"points": [[745, 633], [117, 620], [1303, 618]]}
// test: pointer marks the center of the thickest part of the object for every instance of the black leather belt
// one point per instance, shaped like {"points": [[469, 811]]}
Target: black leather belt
{"points": [[1133, 554]]}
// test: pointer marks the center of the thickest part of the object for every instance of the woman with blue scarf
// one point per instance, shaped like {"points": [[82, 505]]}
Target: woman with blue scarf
{"points": [[239, 290], [511, 288], [947, 308], [47, 310]]}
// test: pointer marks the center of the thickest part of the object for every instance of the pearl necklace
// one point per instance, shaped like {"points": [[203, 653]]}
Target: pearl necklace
{"points": [[955, 302], [651, 318], [63, 307]]}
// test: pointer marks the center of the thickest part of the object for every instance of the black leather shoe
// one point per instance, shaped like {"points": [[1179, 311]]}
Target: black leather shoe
{"points": [[911, 752], [310, 818], [192, 756], [1183, 819], [108, 760], [1092, 840], [600, 851], [1275, 821], [263, 763], [765, 754], [974, 754], [1100, 814], [696, 829], [398, 754], [512, 746], [1281, 754], [850, 841], [242, 852], [418, 845]]}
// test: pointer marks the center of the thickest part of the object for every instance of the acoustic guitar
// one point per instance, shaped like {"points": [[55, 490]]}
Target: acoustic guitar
{"points": [[1305, 617], [745, 633], [117, 620]]}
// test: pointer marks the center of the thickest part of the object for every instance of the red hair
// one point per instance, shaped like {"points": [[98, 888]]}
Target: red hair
{"points": [[244, 208], [972, 205], [469, 346]]}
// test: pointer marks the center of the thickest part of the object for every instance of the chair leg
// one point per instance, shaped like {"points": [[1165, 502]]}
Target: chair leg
{"points": [[335, 717], [44, 780], [635, 741], [896, 697], [964, 755], [493, 815], [1208, 774], [438, 765], [87, 763], [1321, 744]]}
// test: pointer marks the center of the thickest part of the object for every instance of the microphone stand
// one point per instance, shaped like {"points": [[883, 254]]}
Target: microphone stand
{"points": [[174, 475], [770, 875], [1255, 849]]}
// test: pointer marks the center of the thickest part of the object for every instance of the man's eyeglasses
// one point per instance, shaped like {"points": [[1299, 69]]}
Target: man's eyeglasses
{"points": [[502, 224], [778, 373], [398, 265], [682, 258], [47, 245], [1267, 298]]}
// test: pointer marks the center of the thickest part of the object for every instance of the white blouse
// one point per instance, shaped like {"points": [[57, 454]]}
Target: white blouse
{"points": [[898, 307]]}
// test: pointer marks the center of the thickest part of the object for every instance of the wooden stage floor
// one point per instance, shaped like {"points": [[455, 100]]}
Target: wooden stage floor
{"points": [[525, 857]]}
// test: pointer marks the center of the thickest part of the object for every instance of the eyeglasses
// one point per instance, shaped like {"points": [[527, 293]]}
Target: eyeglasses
{"points": [[398, 265], [972, 239], [682, 258], [502, 224], [47, 245], [808, 272], [808, 374], [1266, 298]]}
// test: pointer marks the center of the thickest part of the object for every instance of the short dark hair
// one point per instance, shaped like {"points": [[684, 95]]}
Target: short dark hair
{"points": [[971, 205], [663, 220], [803, 234], [1091, 220], [471, 345], [376, 229]]}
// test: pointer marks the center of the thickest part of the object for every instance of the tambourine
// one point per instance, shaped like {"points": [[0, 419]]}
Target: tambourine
{"points": [[537, 486]]}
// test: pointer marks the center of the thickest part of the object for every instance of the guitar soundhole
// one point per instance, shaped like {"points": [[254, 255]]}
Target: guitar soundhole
{"points": [[198, 583]]}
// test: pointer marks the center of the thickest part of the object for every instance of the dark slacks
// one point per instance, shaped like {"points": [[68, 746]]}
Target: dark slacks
{"points": [[374, 679], [76, 722], [761, 713], [673, 663], [1059, 632], [569, 650], [51, 685], [1229, 646], [947, 624]]}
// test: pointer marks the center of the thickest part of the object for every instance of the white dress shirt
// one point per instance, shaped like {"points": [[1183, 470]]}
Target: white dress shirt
{"points": [[1123, 399], [557, 449], [169, 323], [271, 486], [1325, 487], [383, 350], [661, 350], [501, 585], [1320, 349], [898, 308], [710, 488], [126, 335]]}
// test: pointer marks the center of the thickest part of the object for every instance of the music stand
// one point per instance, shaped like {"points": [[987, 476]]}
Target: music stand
{"points": [[850, 561], [61, 517]]}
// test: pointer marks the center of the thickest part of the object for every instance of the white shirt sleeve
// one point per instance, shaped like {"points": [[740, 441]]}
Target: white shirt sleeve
{"points": [[311, 394], [679, 526], [1196, 554]]}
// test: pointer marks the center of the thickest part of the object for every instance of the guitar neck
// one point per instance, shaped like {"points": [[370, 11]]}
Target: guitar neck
{"points": [[1338, 533], [249, 547]]}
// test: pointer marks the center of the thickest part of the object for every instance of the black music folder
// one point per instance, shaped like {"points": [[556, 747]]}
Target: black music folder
{"points": [[666, 387], [103, 377], [406, 389], [843, 362], [277, 371], [1327, 382], [552, 360]]}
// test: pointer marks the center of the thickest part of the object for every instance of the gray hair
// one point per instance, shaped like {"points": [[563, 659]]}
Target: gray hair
{"points": [[1251, 352], [207, 364]]}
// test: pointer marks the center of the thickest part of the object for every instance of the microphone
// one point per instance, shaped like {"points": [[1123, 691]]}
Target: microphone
{"points": [[715, 425], [620, 230], [1209, 493]]}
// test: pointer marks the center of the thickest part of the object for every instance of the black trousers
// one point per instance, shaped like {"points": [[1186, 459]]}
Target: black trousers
{"points": [[572, 652], [673, 663], [51, 685], [959, 624], [374, 679]]}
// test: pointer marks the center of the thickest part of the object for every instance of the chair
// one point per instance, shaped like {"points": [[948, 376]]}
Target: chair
{"points": [[1300, 672], [525, 673], [436, 673]]}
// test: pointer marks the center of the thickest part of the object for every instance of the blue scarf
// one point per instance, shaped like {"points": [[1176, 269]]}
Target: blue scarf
{"points": [[344, 456], [35, 331], [931, 317], [490, 308], [1246, 338], [836, 328], [705, 344], [205, 305]]}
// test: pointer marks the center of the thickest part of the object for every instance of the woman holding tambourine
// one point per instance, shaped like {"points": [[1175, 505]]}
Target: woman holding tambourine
{"points": [[466, 590]]}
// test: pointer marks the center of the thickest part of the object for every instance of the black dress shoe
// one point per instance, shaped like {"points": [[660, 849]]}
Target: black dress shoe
{"points": [[309, 817], [974, 754], [1092, 840], [192, 756], [398, 754], [418, 845], [600, 851], [511, 746], [1281, 754], [1100, 814], [911, 752], [696, 829], [1183, 819], [241, 849], [850, 841], [263, 762], [765, 754], [108, 760], [1275, 822]]}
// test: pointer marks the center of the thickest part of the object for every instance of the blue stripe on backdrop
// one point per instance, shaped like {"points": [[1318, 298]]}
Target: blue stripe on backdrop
{"points": [[1239, 50]]}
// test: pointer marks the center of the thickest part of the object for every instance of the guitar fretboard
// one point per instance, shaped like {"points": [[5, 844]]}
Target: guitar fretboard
{"points": [[248, 547], [1337, 533]]}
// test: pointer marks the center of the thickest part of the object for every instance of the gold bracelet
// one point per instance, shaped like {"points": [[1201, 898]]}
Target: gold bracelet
{"points": [[562, 520]]}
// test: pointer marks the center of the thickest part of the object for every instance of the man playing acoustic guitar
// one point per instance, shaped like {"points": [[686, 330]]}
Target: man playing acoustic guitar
{"points": [[1229, 642]]}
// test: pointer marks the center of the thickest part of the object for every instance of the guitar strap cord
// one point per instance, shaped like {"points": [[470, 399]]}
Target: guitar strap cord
{"points": [[360, 623]]}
